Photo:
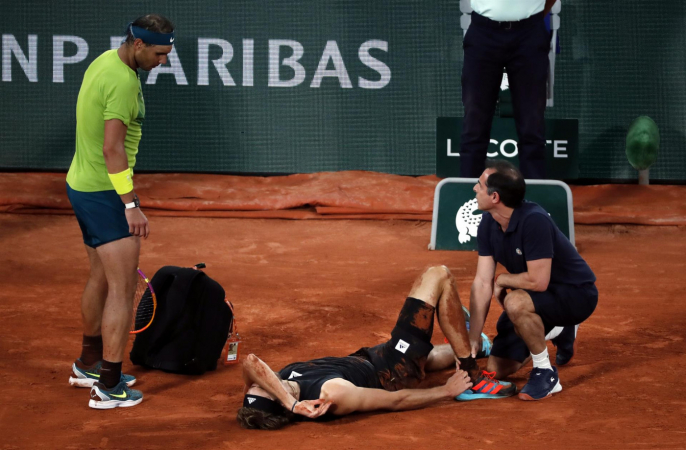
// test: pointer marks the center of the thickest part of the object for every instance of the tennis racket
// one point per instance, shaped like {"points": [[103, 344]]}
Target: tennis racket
{"points": [[144, 304]]}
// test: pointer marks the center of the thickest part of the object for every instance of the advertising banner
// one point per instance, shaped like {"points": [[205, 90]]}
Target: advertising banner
{"points": [[456, 217]]}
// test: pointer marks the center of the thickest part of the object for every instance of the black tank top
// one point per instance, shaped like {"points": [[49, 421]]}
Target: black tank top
{"points": [[311, 375]]}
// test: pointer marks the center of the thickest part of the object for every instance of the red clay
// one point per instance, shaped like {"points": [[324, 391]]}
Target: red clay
{"points": [[306, 289]]}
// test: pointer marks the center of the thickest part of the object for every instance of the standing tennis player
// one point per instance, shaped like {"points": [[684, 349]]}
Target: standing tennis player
{"points": [[109, 114]]}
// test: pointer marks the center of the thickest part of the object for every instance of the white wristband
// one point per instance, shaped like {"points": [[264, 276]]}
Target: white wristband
{"points": [[130, 205]]}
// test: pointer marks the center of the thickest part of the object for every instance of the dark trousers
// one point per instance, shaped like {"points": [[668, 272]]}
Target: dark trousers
{"points": [[522, 49]]}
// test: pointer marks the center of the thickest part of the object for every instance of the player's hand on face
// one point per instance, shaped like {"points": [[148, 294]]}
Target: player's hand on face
{"points": [[138, 223], [458, 383], [312, 408]]}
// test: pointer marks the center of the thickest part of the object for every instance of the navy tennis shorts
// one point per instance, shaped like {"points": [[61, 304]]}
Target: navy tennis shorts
{"points": [[100, 215], [560, 305]]}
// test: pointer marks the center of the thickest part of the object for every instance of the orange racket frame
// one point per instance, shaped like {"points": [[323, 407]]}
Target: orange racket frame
{"points": [[142, 286]]}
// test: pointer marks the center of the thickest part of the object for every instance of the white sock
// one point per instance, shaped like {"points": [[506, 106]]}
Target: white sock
{"points": [[542, 360]]}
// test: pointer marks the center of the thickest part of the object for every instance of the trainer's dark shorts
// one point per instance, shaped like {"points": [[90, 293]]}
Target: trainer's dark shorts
{"points": [[100, 215], [399, 363], [560, 305]]}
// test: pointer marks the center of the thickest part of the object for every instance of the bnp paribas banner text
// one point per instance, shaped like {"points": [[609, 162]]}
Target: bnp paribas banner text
{"points": [[250, 87]]}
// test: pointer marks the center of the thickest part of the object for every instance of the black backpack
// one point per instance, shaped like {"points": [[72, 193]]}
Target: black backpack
{"points": [[191, 323]]}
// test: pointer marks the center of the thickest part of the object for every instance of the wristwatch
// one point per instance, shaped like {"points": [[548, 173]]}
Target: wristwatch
{"points": [[134, 204]]}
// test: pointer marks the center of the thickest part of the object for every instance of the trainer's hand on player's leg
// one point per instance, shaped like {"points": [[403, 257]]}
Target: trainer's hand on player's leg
{"points": [[138, 223], [475, 345], [458, 383]]}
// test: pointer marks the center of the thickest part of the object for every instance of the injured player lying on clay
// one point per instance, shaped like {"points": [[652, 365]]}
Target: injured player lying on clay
{"points": [[383, 377]]}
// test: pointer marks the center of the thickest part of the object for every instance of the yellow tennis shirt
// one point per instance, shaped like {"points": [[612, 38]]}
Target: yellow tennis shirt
{"points": [[110, 90]]}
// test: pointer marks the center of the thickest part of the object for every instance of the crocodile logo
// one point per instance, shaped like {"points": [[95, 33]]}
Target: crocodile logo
{"points": [[466, 222]]}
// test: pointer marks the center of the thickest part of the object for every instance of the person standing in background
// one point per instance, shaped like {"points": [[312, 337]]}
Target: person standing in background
{"points": [[512, 36]]}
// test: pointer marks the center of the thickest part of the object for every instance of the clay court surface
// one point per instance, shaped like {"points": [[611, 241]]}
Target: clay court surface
{"points": [[311, 288]]}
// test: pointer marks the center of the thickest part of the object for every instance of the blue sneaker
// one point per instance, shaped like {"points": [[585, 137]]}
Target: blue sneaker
{"points": [[486, 346], [120, 396], [542, 384], [86, 377], [566, 345], [486, 343], [488, 387]]}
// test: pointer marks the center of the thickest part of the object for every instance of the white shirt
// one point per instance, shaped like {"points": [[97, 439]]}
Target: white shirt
{"points": [[507, 10]]}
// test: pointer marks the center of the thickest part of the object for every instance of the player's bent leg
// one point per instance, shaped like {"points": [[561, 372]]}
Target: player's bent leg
{"points": [[436, 286], [453, 322], [428, 287]]}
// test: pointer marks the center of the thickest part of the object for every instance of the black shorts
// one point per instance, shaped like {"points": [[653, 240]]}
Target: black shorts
{"points": [[560, 305], [399, 362]]}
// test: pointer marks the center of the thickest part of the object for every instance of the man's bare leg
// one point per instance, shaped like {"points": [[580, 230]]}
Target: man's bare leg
{"points": [[92, 305], [528, 325], [436, 286], [544, 380], [94, 295], [119, 260]]}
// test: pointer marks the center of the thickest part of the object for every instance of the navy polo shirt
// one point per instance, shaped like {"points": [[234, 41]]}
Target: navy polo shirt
{"points": [[531, 235]]}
